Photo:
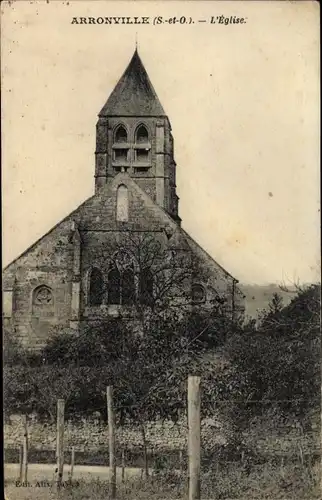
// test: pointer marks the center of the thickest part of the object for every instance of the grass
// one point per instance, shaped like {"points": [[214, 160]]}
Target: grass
{"points": [[268, 481]]}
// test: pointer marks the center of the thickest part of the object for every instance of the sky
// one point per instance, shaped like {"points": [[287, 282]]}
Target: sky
{"points": [[243, 101]]}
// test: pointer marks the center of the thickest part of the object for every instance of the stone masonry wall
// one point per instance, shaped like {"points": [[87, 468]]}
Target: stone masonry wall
{"points": [[275, 439], [93, 436], [51, 261], [47, 263]]}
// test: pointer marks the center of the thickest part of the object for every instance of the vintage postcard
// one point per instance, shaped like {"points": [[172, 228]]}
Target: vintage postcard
{"points": [[161, 252]]}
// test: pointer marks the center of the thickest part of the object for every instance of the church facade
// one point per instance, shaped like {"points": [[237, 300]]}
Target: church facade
{"points": [[123, 251]]}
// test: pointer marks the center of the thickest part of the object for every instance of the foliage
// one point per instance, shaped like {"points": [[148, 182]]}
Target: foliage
{"points": [[36, 389], [241, 368], [142, 369], [280, 359], [96, 345], [13, 351]]}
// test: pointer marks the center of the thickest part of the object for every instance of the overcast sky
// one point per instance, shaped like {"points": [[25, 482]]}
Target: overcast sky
{"points": [[243, 101]]}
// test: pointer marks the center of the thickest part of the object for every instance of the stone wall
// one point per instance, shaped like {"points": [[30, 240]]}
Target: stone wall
{"points": [[88, 436], [62, 259], [48, 263], [155, 181], [93, 435]]}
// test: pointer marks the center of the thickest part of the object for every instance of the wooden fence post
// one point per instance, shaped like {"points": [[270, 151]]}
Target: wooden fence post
{"points": [[282, 468], [60, 440], [111, 433], [20, 462], [24, 467], [180, 462], [72, 463], [152, 465], [194, 437], [301, 454], [123, 465]]}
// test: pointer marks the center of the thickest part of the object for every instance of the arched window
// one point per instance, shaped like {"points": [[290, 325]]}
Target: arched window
{"points": [[114, 286], [198, 294], [43, 302], [120, 148], [122, 203], [96, 287], [120, 135], [42, 296], [142, 148], [146, 287], [141, 136], [128, 287]]}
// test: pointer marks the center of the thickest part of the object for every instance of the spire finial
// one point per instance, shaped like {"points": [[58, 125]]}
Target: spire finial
{"points": [[136, 41]]}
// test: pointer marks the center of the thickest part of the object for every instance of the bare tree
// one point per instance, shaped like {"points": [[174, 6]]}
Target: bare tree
{"points": [[144, 274]]}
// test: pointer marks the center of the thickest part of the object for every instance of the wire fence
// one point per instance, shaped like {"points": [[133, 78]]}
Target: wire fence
{"points": [[273, 453]]}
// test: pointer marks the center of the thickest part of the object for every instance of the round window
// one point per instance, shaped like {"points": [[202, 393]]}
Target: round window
{"points": [[198, 294], [43, 295]]}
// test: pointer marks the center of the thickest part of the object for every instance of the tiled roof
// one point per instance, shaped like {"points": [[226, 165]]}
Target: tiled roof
{"points": [[134, 94]]}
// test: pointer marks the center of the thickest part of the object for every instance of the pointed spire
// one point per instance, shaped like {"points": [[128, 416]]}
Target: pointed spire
{"points": [[134, 94]]}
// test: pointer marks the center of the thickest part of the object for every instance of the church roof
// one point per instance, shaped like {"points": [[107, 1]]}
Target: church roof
{"points": [[134, 93]]}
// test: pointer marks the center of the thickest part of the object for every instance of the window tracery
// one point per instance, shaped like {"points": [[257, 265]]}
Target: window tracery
{"points": [[43, 295]]}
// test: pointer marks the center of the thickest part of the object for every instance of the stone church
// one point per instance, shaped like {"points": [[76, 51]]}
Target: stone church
{"points": [[123, 250]]}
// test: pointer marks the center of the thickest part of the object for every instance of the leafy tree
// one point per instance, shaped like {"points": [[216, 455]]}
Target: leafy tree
{"points": [[276, 304], [280, 360], [269, 317], [97, 344]]}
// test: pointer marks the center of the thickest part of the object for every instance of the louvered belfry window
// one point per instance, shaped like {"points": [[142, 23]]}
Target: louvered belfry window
{"points": [[120, 146], [142, 145]]}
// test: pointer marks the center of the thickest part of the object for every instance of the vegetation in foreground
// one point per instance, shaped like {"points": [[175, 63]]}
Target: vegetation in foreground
{"points": [[274, 364], [234, 482]]}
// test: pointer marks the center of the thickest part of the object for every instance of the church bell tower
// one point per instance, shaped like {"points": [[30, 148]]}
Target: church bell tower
{"points": [[133, 135]]}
